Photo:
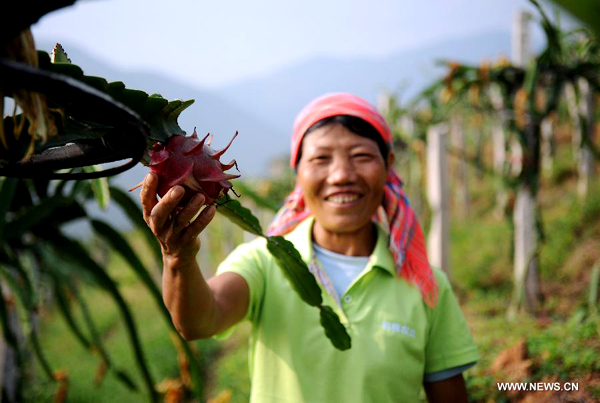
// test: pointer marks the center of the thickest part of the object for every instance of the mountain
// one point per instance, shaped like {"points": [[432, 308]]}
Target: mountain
{"points": [[278, 97], [262, 109], [210, 113]]}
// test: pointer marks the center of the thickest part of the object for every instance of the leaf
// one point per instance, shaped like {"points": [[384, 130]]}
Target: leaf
{"points": [[64, 305], [115, 89], [70, 70], [39, 352], [334, 330], [160, 114], [34, 215], [120, 245], [240, 215], [62, 285], [99, 187], [121, 375], [7, 328], [164, 123], [98, 83], [586, 10], [15, 287], [73, 251], [133, 99], [7, 191], [81, 188], [153, 105], [295, 270], [134, 213], [58, 55], [24, 286]]}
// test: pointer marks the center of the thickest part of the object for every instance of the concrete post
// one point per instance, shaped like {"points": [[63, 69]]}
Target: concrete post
{"points": [[437, 192], [499, 145], [586, 157], [526, 242], [521, 42]]}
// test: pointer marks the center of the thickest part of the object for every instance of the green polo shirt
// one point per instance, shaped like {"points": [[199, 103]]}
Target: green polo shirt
{"points": [[396, 337]]}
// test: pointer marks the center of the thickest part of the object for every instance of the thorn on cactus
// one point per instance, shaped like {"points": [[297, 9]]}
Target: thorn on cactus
{"points": [[221, 152]]}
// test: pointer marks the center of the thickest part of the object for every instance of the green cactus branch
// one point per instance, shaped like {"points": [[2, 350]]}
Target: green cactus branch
{"points": [[293, 268]]}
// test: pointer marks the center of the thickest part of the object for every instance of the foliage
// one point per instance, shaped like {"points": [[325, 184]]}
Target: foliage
{"points": [[35, 253], [586, 11], [565, 230], [567, 350], [293, 268], [85, 373], [75, 123]]}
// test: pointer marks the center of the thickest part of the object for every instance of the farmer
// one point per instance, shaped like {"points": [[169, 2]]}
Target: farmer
{"points": [[352, 224]]}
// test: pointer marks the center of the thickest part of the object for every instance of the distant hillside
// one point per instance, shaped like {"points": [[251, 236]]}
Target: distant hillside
{"points": [[278, 97], [262, 109], [210, 113]]}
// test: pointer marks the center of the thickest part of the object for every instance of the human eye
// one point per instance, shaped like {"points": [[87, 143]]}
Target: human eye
{"points": [[363, 156], [320, 158]]}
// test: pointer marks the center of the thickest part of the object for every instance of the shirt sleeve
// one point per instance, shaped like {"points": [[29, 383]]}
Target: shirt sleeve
{"points": [[446, 373], [449, 344], [248, 261]]}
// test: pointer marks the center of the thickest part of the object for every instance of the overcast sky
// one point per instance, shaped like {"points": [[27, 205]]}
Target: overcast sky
{"points": [[210, 43]]}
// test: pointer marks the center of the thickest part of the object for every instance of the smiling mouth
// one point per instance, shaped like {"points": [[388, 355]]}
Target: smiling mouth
{"points": [[343, 199]]}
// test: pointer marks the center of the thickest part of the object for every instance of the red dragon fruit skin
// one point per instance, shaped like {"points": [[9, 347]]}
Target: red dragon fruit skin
{"points": [[193, 164]]}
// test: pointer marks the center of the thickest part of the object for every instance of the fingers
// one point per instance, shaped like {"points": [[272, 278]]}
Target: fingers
{"points": [[188, 212], [199, 223], [162, 210], [148, 194]]}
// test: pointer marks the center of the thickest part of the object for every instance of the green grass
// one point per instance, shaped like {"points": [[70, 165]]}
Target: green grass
{"points": [[565, 223], [231, 371], [64, 352]]}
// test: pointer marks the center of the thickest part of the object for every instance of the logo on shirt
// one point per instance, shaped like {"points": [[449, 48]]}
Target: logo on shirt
{"points": [[398, 328]]}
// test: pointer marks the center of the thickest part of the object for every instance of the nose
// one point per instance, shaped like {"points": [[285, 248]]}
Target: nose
{"points": [[342, 171]]}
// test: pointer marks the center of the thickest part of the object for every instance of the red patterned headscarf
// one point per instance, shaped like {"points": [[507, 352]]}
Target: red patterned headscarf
{"points": [[407, 243]]}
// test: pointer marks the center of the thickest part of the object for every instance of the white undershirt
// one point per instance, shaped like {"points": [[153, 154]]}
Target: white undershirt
{"points": [[341, 269]]}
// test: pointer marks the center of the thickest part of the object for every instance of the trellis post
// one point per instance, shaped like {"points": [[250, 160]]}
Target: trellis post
{"points": [[437, 191]]}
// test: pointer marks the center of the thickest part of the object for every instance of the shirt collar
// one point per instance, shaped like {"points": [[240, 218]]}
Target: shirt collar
{"points": [[381, 257]]}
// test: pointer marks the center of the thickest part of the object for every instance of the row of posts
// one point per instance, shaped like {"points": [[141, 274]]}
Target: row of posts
{"points": [[581, 112]]}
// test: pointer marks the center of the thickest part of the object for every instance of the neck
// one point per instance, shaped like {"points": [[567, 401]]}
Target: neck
{"points": [[357, 243]]}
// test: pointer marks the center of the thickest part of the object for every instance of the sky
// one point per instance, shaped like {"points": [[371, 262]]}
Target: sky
{"points": [[214, 43]]}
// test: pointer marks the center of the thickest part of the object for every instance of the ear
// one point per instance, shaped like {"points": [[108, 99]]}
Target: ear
{"points": [[390, 159]]}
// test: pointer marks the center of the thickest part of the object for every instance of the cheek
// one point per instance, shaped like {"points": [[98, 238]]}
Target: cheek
{"points": [[307, 179]]}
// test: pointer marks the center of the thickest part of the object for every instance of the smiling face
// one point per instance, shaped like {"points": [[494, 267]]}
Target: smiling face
{"points": [[342, 175]]}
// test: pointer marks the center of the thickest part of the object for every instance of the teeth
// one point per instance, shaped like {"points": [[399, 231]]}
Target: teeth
{"points": [[342, 199]]}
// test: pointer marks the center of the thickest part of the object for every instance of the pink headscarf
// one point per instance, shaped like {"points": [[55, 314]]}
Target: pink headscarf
{"points": [[407, 243]]}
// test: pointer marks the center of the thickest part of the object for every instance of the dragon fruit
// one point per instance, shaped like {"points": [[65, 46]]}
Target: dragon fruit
{"points": [[193, 164]]}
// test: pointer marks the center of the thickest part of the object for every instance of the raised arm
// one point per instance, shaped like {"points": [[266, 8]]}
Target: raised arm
{"points": [[199, 309]]}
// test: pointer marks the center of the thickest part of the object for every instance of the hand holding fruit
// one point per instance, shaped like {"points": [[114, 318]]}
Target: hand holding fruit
{"points": [[172, 225]]}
